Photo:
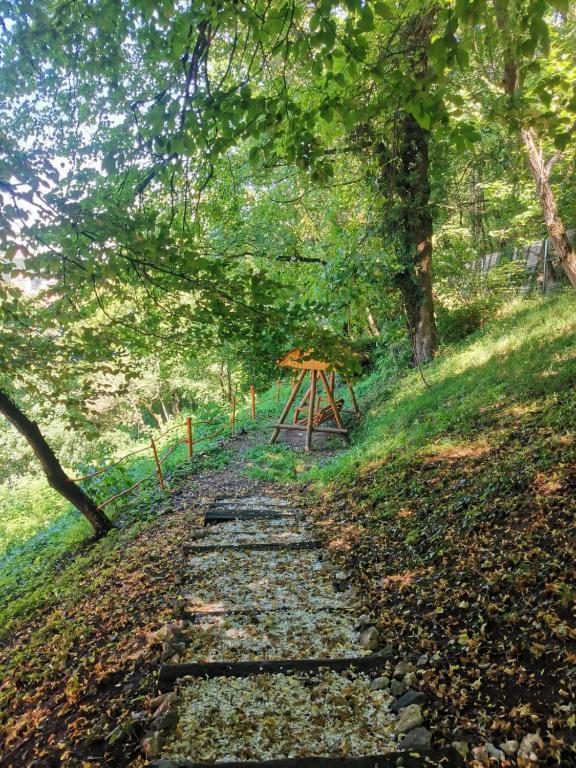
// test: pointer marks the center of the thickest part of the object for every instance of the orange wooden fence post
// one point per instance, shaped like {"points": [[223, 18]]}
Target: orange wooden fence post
{"points": [[189, 439], [158, 467], [233, 417], [278, 391], [253, 402]]}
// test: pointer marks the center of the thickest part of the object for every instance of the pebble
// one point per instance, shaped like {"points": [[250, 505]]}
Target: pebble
{"points": [[151, 746], [397, 687], [529, 747], [410, 679], [379, 683], [364, 621], [493, 752], [410, 718], [461, 747], [369, 639], [403, 668], [419, 738], [509, 747], [410, 697]]}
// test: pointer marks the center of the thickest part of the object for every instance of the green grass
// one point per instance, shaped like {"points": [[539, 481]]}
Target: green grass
{"points": [[41, 534], [527, 355]]}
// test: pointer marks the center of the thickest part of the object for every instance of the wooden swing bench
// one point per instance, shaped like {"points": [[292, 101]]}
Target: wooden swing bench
{"points": [[320, 417]]}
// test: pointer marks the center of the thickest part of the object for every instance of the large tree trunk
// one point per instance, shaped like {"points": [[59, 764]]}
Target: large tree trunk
{"points": [[55, 475], [415, 280], [556, 230]]}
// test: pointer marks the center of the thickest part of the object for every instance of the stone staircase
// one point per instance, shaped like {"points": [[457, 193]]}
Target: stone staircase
{"points": [[269, 664]]}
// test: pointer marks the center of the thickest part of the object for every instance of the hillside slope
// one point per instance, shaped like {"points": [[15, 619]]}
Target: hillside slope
{"points": [[455, 512]]}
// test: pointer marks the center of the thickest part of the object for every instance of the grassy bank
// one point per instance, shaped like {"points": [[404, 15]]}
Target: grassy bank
{"points": [[455, 511]]}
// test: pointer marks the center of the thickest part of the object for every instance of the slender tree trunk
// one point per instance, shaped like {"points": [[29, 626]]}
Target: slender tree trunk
{"points": [[229, 382], [55, 475], [176, 404], [372, 325], [511, 83], [415, 280], [554, 224], [165, 411]]}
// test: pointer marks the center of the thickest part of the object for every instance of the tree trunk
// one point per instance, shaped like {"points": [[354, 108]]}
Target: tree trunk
{"points": [[372, 325], [55, 475], [554, 224], [165, 411], [511, 83], [415, 280]]}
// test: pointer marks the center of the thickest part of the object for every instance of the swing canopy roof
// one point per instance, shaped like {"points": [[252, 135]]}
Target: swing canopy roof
{"points": [[299, 360]]}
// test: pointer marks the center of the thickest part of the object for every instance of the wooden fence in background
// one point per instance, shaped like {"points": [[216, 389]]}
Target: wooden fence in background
{"points": [[230, 425]]}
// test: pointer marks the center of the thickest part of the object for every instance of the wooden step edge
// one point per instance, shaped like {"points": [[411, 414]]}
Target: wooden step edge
{"points": [[214, 519], [252, 514], [170, 673], [426, 758], [254, 546], [191, 615]]}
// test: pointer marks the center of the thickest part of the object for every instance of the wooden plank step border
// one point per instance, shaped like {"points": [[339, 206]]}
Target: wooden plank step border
{"points": [[429, 758], [217, 516], [170, 673], [260, 546], [191, 615]]}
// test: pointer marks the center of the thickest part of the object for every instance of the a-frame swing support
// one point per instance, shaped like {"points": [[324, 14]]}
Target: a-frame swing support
{"points": [[312, 422]]}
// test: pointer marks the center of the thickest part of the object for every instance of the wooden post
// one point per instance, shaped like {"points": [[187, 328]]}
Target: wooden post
{"points": [[253, 402], [309, 426], [332, 402], [288, 405], [189, 439], [233, 417], [353, 400], [278, 391], [158, 467], [301, 404]]}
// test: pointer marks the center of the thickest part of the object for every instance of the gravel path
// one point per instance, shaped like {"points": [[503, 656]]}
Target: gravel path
{"points": [[288, 609]]}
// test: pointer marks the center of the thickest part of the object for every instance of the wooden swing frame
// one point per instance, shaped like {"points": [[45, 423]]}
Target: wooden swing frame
{"points": [[310, 404]]}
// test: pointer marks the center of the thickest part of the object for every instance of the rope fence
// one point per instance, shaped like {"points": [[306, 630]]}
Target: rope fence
{"points": [[231, 424]]}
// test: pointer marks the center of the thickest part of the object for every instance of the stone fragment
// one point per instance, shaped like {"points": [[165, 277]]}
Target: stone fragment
{"points": [[410, 697], [403, 668], [153, 704], [151, 746], [461, 747], [530, 745], [161, 703], [509, 747], [410, 718], [410, 679], [341, 576], [418, 738], [369, 639], [387, 652], [379, 683], [397, 687], [364, 621], [493, 752]]}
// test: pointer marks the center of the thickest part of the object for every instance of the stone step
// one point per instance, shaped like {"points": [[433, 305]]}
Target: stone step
{"points": [[291, 633]]}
